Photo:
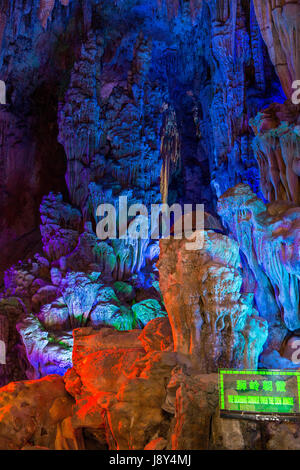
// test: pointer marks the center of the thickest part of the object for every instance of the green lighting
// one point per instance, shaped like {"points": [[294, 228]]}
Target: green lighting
{"points": [[259, 391]]}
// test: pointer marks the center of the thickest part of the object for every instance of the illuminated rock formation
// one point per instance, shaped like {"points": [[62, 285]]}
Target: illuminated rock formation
{"points": [[133, 101], [82, 114], [276, 145], [211, 320], [129, 393], [280, 26], [120, 396], [76, 247], [113, 120], [269, 238], [48, 353], [155, 100], [230, 39], [157, 335], [2, 19], [84, 301], [74, 286], [170, 152], [129, 387], [14, 362], [24, 416]]}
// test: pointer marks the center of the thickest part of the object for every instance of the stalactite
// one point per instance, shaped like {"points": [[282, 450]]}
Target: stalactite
{"points": [[169, 150], [4, 331]]}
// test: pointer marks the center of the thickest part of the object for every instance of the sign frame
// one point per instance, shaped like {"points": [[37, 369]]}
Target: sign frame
{"points": [[255, 415]]}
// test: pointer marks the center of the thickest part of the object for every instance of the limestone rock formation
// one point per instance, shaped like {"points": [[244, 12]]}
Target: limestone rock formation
{"points": [[25, 420], [75, 285], [60, 225], [276, 145], [57, 296], [153, 101], [157, 335], [47, 352], [279, 23], [46, 8], [127, 389], [277, 150], [118, 396], [146, 310], [127, 100], [211, 319]]}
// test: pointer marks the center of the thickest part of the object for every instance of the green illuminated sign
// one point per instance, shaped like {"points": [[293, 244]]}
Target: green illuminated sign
{"points": [[259, 391]]}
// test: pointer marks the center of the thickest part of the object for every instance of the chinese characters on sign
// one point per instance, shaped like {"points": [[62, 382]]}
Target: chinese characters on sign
{"points": [[261, 391]]}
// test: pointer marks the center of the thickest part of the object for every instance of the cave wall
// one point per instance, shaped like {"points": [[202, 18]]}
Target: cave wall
{"points": [[158, 101]]}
